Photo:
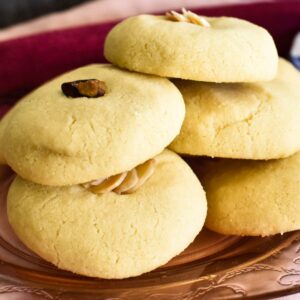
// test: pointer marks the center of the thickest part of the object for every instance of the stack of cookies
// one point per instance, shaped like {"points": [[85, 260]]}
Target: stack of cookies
{"points": [[242, 105], [98, 194]]}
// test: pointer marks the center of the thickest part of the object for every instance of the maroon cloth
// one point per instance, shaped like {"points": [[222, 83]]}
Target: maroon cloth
{"points": [[27, 62]]}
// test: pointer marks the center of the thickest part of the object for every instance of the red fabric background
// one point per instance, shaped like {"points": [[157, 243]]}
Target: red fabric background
{"points": [[27, 62]]}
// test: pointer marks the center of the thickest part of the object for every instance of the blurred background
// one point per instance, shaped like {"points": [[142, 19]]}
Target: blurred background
{"points": [[25, 17], [15, 11]]}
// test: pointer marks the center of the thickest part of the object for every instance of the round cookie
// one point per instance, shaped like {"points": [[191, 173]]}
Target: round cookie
{"points": [[230, 50], [249, 121], [56, 140], [255, 198], [111, 236]]}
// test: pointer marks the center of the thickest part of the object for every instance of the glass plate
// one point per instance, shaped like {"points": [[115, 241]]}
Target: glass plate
{"points": [[213, 267]]}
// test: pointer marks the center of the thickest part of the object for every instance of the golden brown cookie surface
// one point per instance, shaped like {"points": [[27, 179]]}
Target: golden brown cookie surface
{"points": [[255, 198], [228, 50], [111, 235], [54, 139], [249, 121]]}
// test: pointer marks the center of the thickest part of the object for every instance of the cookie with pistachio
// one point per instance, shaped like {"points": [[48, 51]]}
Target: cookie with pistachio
{"points": [[89, 124]]}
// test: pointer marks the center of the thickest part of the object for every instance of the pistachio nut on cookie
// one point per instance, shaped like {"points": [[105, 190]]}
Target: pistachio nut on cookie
{"points": [[188, 46]]}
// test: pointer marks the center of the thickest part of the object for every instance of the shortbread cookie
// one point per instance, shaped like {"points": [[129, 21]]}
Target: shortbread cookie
{"points": [[249, 121], [110, 235], [210, 49], [255, 198], [2, 126], [108, 122]]}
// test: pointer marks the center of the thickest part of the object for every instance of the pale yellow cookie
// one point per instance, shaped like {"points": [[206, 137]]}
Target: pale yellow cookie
{"points": [[2, 126], [255, 198], [228, 50], [249, 121], [111, 235], [3, 123], [53, 139]]}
